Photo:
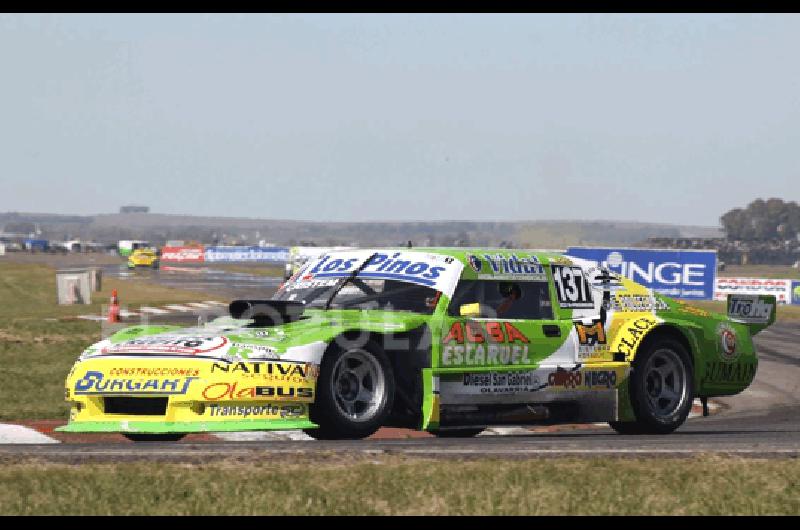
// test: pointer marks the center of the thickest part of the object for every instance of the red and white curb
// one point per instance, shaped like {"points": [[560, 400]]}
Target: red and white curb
{"points": [[18, 434], [167, 309]]}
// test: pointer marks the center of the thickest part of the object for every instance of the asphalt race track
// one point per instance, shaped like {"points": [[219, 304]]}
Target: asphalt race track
{"points": [[763, 421]]}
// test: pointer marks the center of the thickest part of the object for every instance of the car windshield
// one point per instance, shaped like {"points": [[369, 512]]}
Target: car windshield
{"points": [[357, 293]]}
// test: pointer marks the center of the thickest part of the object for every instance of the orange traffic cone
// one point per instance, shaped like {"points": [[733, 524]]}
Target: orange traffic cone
{"points": [[113, 309]]}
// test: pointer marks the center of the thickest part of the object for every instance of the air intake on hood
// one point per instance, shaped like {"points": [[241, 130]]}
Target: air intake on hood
{"points": [[267, 312]]}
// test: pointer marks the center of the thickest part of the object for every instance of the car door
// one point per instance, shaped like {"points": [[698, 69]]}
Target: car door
{"points": [[495, 333]]}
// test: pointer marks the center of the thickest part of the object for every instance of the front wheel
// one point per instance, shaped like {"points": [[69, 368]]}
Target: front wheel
{"points": [[147, 437], [355, 393], [661, 390]]}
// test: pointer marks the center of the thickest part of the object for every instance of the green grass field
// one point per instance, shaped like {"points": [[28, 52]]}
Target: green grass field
{"points": [[385, 485], [38, 348]]}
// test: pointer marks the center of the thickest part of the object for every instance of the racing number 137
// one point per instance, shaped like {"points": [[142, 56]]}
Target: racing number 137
{"points": [[572, 288]]}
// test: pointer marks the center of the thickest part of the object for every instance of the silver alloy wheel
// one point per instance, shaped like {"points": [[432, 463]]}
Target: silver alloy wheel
{"points": [[358, 385], [665, 383]]}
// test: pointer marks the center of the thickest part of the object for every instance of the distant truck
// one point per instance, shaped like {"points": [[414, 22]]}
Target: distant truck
{"points": [[126, 247], [36, 245]]}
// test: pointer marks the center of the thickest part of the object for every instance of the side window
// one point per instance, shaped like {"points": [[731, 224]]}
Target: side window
{"points": [[504, 299]]}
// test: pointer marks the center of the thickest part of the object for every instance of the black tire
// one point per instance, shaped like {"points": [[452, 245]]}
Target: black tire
{"points": [[328, 410], [647, 387], [458, 433], [142, 437]]}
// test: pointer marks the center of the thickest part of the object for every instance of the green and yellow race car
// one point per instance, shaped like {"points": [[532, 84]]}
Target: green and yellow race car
{"points": [[143, 257], [445, 340]]}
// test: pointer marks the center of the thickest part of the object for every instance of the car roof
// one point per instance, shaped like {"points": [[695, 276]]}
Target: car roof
{"points": [[462, 254]]}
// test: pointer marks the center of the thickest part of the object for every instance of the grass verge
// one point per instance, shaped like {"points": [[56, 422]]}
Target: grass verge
{"points": [[707, 485], [38, 349]]}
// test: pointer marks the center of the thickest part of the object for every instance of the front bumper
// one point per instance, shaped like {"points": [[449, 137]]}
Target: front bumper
{"points": [[162, 427], [184, 395]]}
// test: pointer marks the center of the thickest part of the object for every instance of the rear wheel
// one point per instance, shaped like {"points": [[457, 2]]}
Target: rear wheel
{"points": [[355, 393], [147, 437], [661, 389]]}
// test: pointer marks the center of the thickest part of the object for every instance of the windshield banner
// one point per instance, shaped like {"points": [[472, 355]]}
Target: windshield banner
{"points": [[432, 270]]}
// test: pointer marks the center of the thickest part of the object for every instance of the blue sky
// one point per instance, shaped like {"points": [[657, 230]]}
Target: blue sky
{"points": [[658, 118]]}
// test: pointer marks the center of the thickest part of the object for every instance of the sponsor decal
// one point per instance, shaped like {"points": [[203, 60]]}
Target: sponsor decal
{"points": [[296, 285], [572, 288], [281, 371], [565, 378], [484, 343], [96, 383], [475, 263], [635, 303], [723, 372], [749, 308], [247, 351], [561, 260], [633, 332], [503, 382], [796, 292], [591, 335], [675, 273], [161, 371], [781, 289], [727, 336], [183, 254], [591, 339], [683, 308], [222, 390], [168, 344], [256, 411], [512, 267], [599, 378]]}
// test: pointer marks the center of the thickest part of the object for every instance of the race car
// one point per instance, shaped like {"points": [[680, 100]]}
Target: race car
{"points": [[143, 257], [445, 340]]}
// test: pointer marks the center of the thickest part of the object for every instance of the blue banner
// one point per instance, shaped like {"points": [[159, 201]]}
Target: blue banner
{"points": [[796, 292], [255, 253], [686, 274]]}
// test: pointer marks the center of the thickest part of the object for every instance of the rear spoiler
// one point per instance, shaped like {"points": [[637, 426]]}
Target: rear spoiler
{"points": [[757, 311]]}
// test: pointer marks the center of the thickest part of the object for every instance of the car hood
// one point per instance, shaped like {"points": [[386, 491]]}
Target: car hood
{"points": [[225, 338]]}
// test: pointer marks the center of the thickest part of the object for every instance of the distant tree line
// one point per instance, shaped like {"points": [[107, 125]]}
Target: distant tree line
{"points": [[763, 220]]}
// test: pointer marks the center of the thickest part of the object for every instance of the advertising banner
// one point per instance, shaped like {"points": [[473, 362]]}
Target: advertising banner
{"points": [[685, 274], [782, 289], [183, 254], [254, 253], [796, 292]]}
